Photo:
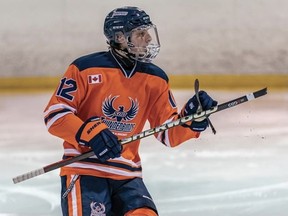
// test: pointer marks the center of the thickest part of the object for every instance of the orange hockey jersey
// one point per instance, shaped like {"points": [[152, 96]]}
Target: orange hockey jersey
{"points": [[97, 85]]}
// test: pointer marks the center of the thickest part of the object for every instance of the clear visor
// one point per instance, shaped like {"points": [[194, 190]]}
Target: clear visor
{"points": [[143, 43]]}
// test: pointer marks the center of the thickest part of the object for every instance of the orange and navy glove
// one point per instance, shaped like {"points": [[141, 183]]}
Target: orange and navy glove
{"points": [[96, 135]]}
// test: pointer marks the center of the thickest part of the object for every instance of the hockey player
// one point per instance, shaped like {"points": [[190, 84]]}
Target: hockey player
{"points": [[105, 97]]}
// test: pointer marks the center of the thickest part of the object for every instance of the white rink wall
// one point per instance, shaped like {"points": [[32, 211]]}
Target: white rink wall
{"points": [[41, 37]]}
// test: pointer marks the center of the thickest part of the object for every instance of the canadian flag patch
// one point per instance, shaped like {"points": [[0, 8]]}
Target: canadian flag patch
{"points": [[93, 79]]}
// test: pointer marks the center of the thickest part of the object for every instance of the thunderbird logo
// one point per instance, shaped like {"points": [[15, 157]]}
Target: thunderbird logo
{"points": [[120, 113], [97, 209]]}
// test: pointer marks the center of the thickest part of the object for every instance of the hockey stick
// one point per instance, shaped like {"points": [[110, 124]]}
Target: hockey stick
{"points": [[144, 134]]}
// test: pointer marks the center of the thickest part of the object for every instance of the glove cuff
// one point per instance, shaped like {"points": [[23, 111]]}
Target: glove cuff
{"points": [[89, 129]]}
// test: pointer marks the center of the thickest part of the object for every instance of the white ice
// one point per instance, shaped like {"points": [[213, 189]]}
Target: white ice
{"points": [[240, 171]]}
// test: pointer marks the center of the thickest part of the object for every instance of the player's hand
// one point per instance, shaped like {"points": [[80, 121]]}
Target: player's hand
{"points": [[192, 106], [95, 134]]}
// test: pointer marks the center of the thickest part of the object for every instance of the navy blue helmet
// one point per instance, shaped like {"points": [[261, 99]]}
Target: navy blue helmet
{"points": [[126, 19]]}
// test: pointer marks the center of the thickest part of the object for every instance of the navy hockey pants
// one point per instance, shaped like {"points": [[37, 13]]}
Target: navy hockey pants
{"points": [[93, 196]]}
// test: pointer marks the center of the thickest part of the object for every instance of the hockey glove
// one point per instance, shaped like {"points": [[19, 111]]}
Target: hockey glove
{"points": [[191, 107], [95, 134]]}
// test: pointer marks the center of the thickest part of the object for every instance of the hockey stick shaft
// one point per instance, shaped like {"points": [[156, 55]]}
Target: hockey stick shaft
{"points": [[144, 134]]}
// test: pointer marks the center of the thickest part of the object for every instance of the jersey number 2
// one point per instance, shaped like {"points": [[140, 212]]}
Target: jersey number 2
{"points": [[67, 86]]}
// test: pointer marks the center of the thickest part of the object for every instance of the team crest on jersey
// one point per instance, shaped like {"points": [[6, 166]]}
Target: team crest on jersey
{"points": [[97, 209], [118, 118]]}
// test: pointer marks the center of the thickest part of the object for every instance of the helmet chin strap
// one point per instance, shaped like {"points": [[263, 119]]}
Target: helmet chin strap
{"points": [[124, 57]]}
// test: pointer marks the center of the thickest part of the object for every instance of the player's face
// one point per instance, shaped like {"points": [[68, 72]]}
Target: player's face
{"points": [[140, 38], [143, 42]]}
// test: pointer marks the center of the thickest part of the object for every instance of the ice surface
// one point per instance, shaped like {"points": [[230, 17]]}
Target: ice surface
{"points": [[240, 171]]}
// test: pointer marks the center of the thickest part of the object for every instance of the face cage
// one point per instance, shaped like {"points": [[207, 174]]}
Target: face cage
{"points": [[150, 51]]}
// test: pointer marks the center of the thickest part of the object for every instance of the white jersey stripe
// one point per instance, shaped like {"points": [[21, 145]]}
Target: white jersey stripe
{"points": [[105, 169], [167, 140], [59, 106], [160, 135], [55, 118], [119, 159]]}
